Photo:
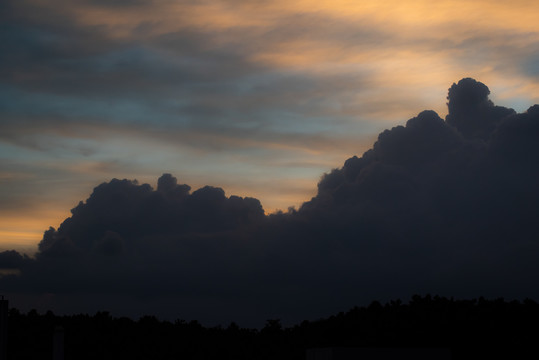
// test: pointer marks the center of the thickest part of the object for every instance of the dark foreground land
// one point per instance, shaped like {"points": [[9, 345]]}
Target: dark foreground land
{"points": [[478, 329]]}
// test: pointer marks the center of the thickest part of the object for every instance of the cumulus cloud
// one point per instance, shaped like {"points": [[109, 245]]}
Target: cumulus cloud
{"points": [[470, 110], [441, 206], [11, 259], [218, 77]]}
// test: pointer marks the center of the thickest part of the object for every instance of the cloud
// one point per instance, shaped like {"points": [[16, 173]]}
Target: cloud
{"points": [[470, 110], [274, 72], [209, 67], [441, 206], [261, 96], [11, 259]]}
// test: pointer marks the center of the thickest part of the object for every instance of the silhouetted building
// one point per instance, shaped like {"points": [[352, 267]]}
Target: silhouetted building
{"points": [[337, 353], [3, 328]]}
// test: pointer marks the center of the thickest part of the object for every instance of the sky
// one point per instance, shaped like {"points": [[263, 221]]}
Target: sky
{"points": [[397, 138], [258, 97]]}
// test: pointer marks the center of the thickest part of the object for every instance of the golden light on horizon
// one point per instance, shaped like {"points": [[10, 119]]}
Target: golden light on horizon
{"points": [[24, 231]]}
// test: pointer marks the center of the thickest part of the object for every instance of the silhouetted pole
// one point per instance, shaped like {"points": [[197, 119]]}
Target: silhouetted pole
{"points": [[58, 349], [3, 328]]}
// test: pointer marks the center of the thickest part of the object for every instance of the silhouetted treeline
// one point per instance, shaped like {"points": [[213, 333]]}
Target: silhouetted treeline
{"points": [[471, 328]]}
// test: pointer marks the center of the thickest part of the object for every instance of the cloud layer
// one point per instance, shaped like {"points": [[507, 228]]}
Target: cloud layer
{"points": [[273, 92], [441, 206]]}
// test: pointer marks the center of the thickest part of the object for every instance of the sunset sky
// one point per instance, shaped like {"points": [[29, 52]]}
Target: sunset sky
{"points": [[257, 97]]}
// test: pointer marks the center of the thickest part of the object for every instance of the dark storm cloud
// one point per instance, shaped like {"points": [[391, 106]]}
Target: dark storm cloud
{"points": [[11, 259], [171, 209], [470, 110], [447, 207]]}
